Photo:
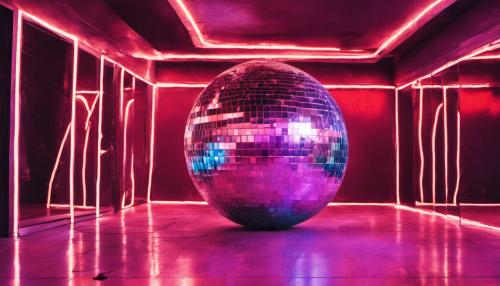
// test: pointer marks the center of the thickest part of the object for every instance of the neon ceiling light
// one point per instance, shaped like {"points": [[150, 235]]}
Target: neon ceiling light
{"points": [[200, 40]]}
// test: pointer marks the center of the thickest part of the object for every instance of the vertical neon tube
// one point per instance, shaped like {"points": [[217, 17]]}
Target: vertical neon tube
{"points": [[457, 183], [122, 82], [420, 144], [152, 140], [73, 127], [125, 129], [445, 125], [396, 111], [434, 127], [99, 139], [15, 124]]}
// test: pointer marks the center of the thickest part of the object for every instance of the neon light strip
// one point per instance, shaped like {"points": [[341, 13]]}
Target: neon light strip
{"points": [[87, 92], [457, 182], [172, 56], [396, 112], [445, 124], [125, 128], [90, 111], [436, 117], [333, 204], [72, 132], [455, 86], [459, 205], [329, 204], [122, 79], [490, 57], [56, 165], [327, 86], [199, 39], [152, 141], [132, 180], [99, 139], [420, 145], [16, 126]]}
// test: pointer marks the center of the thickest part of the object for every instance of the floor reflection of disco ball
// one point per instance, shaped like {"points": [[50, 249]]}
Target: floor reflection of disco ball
{"points": [[266, 145]]}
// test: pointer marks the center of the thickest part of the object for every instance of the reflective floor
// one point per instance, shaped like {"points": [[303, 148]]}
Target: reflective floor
{"points": [[192, 245]]}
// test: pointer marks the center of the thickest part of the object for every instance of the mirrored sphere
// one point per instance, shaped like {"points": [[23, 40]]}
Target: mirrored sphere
{"points": [[266, 145]]}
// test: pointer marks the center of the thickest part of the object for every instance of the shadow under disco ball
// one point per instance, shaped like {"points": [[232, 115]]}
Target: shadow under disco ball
{"points": [[266, 145]]}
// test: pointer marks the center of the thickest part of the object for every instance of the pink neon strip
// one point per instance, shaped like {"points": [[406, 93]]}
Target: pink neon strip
{"points": [[72, 132], [445, 124], [56, 165], [457, 182], [199, 38], [122, 79], [16, 101], [461, 204], [152, 141], [436, 117], [396, 112], [125, 129], [330, 204], [90, 111], [99, 138], [490, 57], [87, 92], [420, 145], [327, 86], [76, 206]]}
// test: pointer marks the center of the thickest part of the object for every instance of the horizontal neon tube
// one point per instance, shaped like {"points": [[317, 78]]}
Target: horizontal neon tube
{"points": [[327, 86], [417, 203], [76, 206], [330, 204]]}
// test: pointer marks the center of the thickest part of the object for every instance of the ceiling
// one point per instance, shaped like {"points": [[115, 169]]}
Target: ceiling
{"points": [[315, 29]]}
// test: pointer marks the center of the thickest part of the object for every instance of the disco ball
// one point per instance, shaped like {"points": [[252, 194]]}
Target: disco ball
{"points": [[266, 145]]}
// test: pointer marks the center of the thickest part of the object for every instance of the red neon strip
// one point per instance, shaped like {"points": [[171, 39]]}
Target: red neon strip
{"points": [[420, 145], [199, 39], [329, 204], [396, 112], [438, 111], [14, 129], [152, 141], [445, 124], [457, 182]]}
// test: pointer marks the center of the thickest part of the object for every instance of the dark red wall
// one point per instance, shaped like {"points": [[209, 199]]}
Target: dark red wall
{"points": [[369, 116]]}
